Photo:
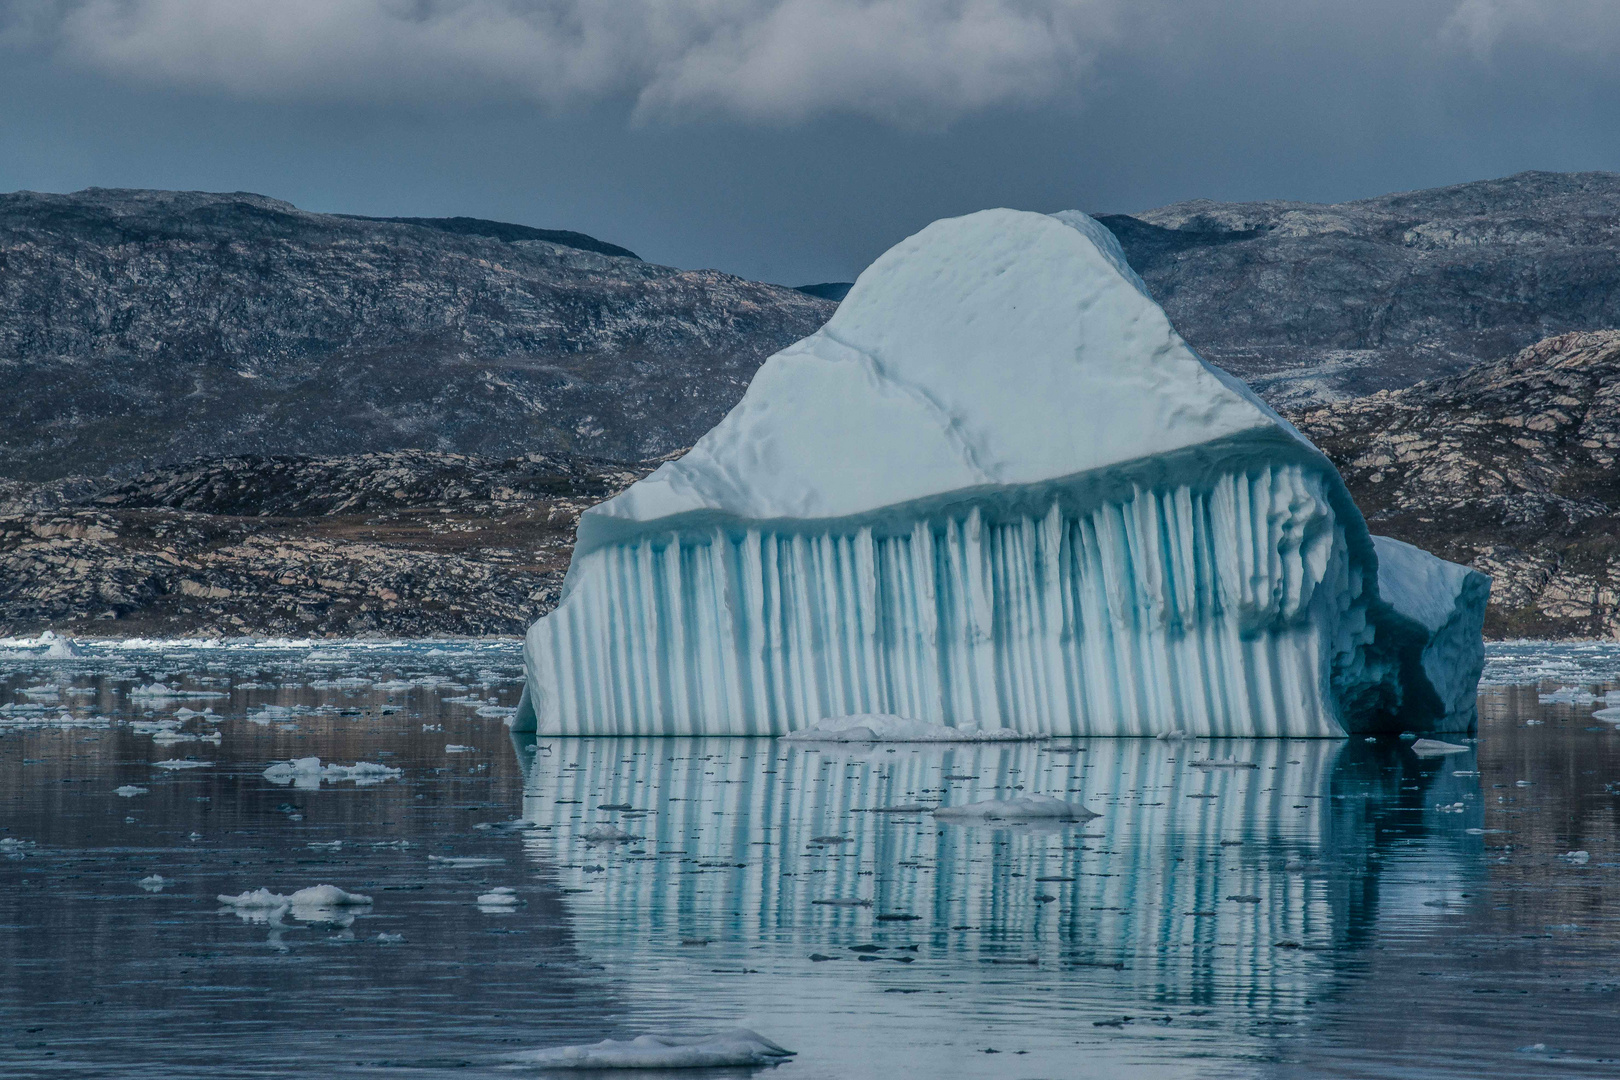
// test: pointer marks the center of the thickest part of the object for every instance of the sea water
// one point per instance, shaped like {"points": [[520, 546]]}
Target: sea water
{"points": [[1242, 908]]}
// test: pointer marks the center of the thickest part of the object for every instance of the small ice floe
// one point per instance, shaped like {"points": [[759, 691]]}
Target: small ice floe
{"points": [[728, 1049], [843, 901], [457, 748], [1176, 736], [390, 939], [153, 882], [499, 899], [318, 903], [45, 691], [883, 727], [1568, 695], [497, 712], [13, 848], [1451, 808], [1025, 808], [307, 773], [607, 834], [898, 808], [1437, 748], [129, 791], [169, 737], [514, 825], [1207, 764], [457, 862], [1576, 858], [158, 691], [182, 763]]}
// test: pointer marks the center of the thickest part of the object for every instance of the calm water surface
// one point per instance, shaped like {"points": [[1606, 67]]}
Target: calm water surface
{"points": [[1338, 909]]}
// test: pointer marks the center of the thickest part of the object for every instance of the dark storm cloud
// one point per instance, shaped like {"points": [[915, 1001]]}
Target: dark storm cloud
{"points": [[795, 139]]}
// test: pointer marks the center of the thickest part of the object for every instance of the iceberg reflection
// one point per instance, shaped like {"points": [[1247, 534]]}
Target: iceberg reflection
{"points": [[1213, 870]]}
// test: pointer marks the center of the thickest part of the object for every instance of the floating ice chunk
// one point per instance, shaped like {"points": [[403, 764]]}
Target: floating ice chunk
{"points": [[390, 939], [168, 737], [1568, 695], [607, 834], [877, 727], [729, 1049], [327, 896], [1436, 748], [13, 847], [457, 748], [157, 692], [1577, 858], [182, 763], [996, 488], [502, 898], [1610, 715], [1023, 808], [45, 690], [1440, 617], [457, 862], [307, 773], [129, 791], [153, 882], [254, 900], [1206, 763], [318, 903]]}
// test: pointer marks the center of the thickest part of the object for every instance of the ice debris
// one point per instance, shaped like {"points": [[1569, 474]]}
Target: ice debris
{"points": [[153, 882], [1023, 808], [308, 772], [998, 489], [502, 898], [1576, 858], [730, 1049], [877, 727], [318, 903], [607, 834], [182, 763], [1436, 748]]}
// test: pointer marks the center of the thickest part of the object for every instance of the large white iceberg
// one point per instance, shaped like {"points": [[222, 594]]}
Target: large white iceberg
{"points": [[996, 489]]}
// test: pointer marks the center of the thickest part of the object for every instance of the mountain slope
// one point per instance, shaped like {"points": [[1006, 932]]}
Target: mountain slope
{"points": [[1509, 467], [146, 327], [1309, 302]]}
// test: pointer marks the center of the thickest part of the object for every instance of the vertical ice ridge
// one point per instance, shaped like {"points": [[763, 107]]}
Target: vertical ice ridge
{"points": [[1195, 607]]}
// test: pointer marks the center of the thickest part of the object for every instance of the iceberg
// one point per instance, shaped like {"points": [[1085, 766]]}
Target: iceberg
{"points": [[997, 490]]}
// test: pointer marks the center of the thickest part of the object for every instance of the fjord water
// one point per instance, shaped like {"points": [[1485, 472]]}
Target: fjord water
{"points": [[1297, 908]]}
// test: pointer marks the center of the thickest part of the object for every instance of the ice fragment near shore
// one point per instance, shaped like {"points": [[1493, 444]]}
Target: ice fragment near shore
{"points": [[998, 490]]}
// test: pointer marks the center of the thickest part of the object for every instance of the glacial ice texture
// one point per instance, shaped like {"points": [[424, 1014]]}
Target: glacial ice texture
{"points": [[997, 490]]}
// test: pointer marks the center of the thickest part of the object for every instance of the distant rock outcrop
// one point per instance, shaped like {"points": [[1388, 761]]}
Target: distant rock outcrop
{"points": [[410, 543], [1510, 467], [1309, 302], [142, 328]]}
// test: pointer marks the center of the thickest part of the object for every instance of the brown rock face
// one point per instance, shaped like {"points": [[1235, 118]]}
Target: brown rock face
{"points": [[1509, 467], [406, 544]]}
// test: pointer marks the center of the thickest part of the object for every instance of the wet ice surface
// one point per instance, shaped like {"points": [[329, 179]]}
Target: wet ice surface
{"points": [[1338, 909]]}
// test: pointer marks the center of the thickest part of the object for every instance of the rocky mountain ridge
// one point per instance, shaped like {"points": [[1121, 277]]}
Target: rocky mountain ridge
{"points": [[1509, 467], [1310, 302], [146, 328]]}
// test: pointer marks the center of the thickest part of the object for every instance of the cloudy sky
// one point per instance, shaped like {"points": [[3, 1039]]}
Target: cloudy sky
{"points": [[793, 140]]}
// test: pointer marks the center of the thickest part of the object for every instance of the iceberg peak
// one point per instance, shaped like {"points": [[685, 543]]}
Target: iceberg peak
{"points": [[998, 490]]}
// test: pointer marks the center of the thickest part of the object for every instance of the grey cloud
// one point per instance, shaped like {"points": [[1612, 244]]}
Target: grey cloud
{"points": [[763, 60]]}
